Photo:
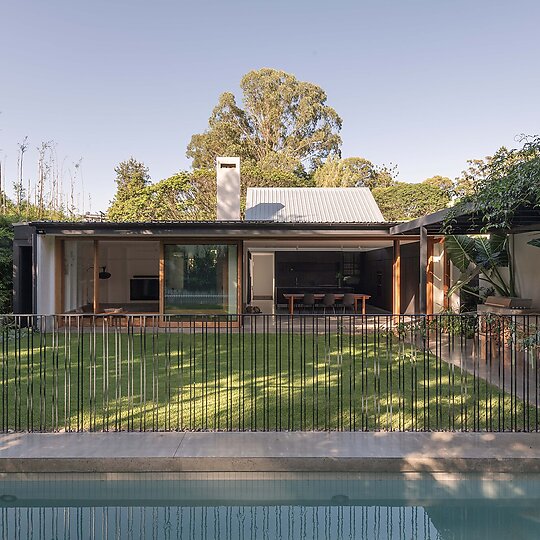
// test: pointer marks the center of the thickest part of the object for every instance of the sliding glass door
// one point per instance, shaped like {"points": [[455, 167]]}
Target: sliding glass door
{"points": [[201, 278]]}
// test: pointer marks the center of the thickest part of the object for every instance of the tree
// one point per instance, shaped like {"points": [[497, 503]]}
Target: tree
{"points": [[510, 179], [476, 170], [6, 262], [480, 172], [132, 177], [351, 172], [190, 195], [443, 183], [39, 198], [403, 201], [285, 124], [162, 201], [499, 186]]}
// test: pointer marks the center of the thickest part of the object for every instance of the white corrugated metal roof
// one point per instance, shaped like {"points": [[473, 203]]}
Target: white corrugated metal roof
{"points": [[312, 205]]}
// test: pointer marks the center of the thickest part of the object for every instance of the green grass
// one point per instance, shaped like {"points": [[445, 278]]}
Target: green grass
{"points": [[223, 381]]}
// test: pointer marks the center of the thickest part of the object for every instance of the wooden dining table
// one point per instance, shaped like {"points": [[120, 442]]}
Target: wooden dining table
{"points": [[291, 297]]}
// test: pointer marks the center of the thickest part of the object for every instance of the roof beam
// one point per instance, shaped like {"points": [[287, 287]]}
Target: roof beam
{"points": [[436, 218]]}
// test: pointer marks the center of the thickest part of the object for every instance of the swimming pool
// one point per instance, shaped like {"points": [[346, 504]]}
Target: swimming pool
{"points": [[269, 505]]}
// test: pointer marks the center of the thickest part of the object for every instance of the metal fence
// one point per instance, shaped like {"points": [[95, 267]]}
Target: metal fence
{"points": [[466, 372]]}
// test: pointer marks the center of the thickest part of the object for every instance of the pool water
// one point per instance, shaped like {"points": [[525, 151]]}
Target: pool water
{"points": [[269, 506]]}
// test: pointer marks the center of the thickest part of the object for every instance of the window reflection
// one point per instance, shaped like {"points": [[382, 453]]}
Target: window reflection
{"points": [[201, 279]]}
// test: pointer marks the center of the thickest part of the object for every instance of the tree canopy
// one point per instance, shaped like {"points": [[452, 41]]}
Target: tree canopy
{"points": [[164, 200], [284, 124], [496, 188], [352, 172], [185, 195], [192, 195], [443, 183], [500, 184], [476, 169], [404, 201], [132, 178]]}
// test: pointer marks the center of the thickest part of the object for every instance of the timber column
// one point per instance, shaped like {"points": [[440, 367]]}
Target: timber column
{"points": [[422, 283], [396, 279]]}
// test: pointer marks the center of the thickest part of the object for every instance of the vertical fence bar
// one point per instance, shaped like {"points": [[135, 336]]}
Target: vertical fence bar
{"points": [[105, 378], [309, 371], [242, 374], [253, 373], [535, 346]]}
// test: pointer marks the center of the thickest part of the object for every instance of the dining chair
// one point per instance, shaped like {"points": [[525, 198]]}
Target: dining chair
{"points": [[329, 301], [309, 301], [348, 302]]}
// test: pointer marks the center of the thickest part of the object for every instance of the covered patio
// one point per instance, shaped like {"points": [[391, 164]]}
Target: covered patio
{"points": [[372, 274], [218, 268]]}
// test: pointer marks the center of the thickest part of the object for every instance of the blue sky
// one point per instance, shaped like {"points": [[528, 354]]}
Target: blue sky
{"points": [[422, 84]]}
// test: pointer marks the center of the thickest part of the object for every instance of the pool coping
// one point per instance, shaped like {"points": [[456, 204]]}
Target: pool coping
{"points": [[433, 452]]}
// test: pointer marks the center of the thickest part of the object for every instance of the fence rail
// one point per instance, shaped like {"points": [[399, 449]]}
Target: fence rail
{"points": [[467, 372]]}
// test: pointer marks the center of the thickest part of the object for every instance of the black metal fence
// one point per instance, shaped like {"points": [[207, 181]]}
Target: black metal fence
{"points": [[466, 372]]}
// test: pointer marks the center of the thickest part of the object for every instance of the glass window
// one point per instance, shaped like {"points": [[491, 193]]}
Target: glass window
{"points": [[78, 276], [201, 279]]}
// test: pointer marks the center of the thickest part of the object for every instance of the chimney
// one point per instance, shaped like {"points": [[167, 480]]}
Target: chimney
{"points": [[228, 188]]}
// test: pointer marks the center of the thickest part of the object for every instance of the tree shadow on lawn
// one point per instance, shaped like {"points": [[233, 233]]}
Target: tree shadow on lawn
{"points": [[246, 382]]}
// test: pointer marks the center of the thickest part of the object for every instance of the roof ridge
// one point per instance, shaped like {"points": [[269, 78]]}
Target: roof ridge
{"points": [[340, 188]]}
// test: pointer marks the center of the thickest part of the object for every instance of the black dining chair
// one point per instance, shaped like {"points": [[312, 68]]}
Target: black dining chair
{"points": [[308, 303], [329, 301], [348, 302]]}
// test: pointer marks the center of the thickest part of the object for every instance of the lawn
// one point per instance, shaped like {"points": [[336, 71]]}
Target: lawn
{"points": [[197, 380]]}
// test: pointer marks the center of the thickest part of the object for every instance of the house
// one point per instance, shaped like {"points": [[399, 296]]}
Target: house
{"points": [[348, 248], [292, 240]]}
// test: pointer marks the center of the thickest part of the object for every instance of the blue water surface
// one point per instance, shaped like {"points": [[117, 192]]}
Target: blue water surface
{"points": [[269, 506]]}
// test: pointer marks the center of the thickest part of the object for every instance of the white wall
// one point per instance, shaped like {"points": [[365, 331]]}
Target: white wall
{"points": [[45, 250], [454, 302], [527, 266], [232, 287], [262, 281], [438, 278]]}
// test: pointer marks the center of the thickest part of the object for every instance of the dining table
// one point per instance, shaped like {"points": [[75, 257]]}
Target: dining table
{"points": [[292, 297]]}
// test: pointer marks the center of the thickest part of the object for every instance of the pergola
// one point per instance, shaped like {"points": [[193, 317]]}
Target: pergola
{"points": [[461, 221]]}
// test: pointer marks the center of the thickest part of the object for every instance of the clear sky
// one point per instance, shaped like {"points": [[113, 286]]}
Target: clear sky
{"points": [[424, 84]]}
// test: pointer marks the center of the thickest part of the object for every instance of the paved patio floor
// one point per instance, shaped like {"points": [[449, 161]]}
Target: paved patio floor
{"points": [[270, 452]]}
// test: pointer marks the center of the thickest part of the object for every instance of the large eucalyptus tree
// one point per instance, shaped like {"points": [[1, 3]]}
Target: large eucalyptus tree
{"points": [[282, 123]]}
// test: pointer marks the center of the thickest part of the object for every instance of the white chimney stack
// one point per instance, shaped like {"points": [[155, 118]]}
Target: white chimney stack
{"points": [[228, 188]]}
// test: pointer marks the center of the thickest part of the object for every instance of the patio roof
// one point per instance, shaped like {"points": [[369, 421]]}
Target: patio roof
{"points": [[203, 228], [465, 221]]}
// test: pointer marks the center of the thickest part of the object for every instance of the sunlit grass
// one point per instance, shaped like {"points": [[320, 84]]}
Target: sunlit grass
{"points": [[231, 381]]}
